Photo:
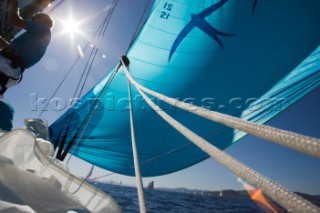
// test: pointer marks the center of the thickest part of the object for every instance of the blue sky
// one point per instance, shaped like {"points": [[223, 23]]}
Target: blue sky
{"points": [[294, 170]]}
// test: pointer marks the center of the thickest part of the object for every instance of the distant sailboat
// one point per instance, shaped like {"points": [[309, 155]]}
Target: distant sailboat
{"points": [[150, 185]]}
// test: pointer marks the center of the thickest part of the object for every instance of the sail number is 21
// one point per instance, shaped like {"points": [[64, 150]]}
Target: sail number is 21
{"points": [[166, 13]]}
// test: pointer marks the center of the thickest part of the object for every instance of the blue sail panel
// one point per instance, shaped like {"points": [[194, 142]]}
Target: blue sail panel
{"points": [[235, 57]]}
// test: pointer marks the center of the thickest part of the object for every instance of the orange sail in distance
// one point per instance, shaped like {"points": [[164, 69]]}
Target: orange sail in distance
{"points": [[257, 196]]}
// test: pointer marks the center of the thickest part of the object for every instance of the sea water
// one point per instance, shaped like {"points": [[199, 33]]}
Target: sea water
{"points": [[158, 201]]}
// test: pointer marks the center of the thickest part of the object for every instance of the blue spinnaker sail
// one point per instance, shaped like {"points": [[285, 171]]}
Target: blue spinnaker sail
{"points": [[236, 57]]}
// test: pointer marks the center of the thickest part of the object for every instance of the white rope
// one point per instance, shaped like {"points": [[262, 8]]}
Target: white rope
{"points": [[142, 205], [301, 143], [287, 199]]}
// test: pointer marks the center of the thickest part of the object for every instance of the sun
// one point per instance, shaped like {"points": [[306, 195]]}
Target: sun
{"points": [[71, 26]]}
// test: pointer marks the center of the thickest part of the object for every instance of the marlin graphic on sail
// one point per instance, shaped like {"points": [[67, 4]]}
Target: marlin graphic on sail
{"points": [[198, 20], [254, 6]]}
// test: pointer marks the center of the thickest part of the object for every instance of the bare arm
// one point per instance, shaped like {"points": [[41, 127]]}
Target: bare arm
{"points": [[14, 15]]}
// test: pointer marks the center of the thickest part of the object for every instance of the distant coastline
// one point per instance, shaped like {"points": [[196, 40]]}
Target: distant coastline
{"points": [[315, 199], [228, 193], [237, 194]]}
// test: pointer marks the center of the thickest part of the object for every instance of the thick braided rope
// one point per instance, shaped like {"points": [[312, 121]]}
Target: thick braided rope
{"points": [[281, 195], [301, 143], [142, 203]]}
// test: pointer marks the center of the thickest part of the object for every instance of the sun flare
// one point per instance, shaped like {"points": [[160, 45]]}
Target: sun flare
{"points": [[71, 27]]}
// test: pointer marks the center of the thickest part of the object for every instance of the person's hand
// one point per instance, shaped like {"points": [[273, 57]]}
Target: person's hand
{"points": [[14, 15], [13, 7]]}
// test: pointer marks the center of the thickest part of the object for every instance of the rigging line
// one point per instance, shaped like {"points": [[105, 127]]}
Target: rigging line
{"points": [[92, 110], [144, 162], [173, 150], [301, 143], [55, 6], [101, 29], [70, 69], [99, 43], [84, 180], [92, 56], [142, 204], [294, 84], [135, 34], [87, 69], [153, 158], [275, 191]]}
